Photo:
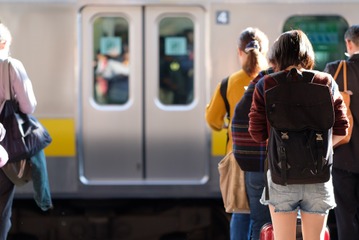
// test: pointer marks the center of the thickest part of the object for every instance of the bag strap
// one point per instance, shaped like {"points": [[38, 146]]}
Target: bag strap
{"points": [[223, 91], [345, 76], [7, 83], [283, 162], [321, 150], [344, 65]]}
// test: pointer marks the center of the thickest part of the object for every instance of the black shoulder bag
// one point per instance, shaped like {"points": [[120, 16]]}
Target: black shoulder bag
{"points": [[25, 136]]}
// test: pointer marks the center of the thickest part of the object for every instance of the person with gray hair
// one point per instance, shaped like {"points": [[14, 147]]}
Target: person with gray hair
{"points": [[21, 89], [346, 157]]}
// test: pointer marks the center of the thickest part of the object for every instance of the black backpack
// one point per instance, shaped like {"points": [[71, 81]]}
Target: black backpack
{"points": [[301, 117]]}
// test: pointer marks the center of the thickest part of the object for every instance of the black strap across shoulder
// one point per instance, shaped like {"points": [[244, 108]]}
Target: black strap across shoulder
{"points": [[223, 90]]}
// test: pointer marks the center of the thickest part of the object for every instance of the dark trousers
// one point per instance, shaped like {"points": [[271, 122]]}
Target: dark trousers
{"points": [[346, 191], [7, 190], [259, 213], [240, 226]]}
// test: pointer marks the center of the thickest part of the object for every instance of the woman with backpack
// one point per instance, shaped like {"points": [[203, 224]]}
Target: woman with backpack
{"points": [[292, 55]]}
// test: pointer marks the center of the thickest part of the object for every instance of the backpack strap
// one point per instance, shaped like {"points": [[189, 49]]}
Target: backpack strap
{"points": [[320, 146], [309, 76], [293, 74], [283, 162], [223, 91]]}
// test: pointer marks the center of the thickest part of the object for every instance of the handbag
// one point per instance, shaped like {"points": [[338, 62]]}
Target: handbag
{"points": [[346, 98], [4, 157], [232, 185], [19, 172], [25, 134]]}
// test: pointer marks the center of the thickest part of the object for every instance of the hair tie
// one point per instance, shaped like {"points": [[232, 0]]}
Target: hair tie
{"points": [[252, 45]]}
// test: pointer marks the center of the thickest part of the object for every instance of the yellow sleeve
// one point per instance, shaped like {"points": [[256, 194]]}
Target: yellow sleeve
{"points": [[216, 110]]}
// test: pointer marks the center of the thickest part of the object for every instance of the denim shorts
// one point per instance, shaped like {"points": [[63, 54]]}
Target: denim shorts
{"points": [[311, 198]]}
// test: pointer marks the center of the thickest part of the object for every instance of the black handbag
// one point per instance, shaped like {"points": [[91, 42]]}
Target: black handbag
{"points": [[25, 136]]}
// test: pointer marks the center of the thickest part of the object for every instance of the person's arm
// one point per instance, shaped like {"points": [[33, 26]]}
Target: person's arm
{"points": [[22, 87], [336, 139], [216, 111], [257, 115]]}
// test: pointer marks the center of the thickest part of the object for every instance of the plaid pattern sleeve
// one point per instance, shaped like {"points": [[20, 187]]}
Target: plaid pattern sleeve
{"points": [[249, 154]]}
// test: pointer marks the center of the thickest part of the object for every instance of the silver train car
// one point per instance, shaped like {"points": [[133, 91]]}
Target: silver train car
{"points": [[122, 87]]}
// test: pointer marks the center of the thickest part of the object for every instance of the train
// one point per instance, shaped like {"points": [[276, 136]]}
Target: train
{"points": [[122, 87]]}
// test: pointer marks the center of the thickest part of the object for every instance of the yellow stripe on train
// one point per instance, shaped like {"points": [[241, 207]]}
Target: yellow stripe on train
{"points": [[62, 132], [63, 136]]}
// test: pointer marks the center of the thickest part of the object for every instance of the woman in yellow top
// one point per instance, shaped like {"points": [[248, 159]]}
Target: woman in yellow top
{"points": [[252, 48]]}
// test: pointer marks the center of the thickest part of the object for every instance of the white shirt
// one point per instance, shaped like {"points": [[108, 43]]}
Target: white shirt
{"points": [[21, 85]]}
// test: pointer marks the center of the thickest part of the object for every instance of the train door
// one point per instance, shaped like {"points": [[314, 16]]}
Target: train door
{"points": [[142, 85]]}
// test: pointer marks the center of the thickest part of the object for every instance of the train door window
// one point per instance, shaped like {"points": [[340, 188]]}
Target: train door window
{"points": [[326, 34], [176, 61], [111, 51]]}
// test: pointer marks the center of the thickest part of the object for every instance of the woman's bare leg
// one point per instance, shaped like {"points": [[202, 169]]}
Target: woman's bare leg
{"points": [[313, 226], [284, 224]]}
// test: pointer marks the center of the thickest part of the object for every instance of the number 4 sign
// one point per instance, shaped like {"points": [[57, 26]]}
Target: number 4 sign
{"points": [[222, 17]]}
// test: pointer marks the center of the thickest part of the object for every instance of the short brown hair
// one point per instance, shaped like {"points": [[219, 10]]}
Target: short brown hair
{"points": [[292, 48]]}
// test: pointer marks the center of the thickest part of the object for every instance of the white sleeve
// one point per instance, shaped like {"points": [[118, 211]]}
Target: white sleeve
{"points": [[22, 87]]}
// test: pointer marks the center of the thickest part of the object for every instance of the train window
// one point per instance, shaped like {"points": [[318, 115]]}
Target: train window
{"points": [[176, 58], [326, 34], [111, 49]]}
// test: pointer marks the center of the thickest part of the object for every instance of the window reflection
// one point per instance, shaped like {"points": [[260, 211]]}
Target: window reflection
{"points": [[325, 33], [111, 71], [176, 61]]}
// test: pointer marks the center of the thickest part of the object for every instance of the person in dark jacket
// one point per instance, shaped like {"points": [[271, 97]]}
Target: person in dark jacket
{"points": [[346, 157], [251, 156]]}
